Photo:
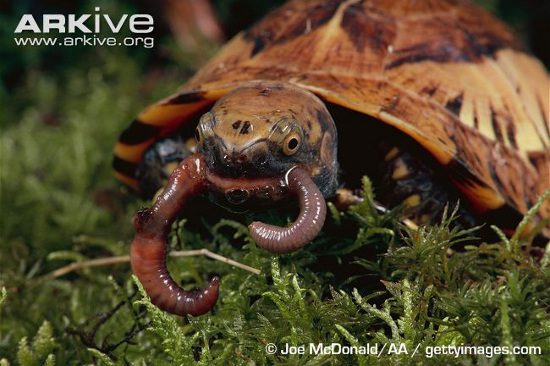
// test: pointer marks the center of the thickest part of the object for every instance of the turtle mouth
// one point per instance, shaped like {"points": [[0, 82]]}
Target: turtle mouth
{"points": [[253, 191], [243, 193]]}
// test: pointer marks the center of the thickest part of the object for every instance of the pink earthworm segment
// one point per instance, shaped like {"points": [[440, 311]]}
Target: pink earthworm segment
{"points": [[306, 227], [148, 249]]}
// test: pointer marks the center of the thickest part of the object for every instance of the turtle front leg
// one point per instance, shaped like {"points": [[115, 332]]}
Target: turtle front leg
{"points": [[406, 177], [159, 161]]}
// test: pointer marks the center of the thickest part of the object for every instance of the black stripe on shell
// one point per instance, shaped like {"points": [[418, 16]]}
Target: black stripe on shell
{"points": [[511, 132], [137, 133], [124, 166], [496, 126], [544, 117], [459, 172], [476, 120], [506, 217], [454, 105], [186, 98]]}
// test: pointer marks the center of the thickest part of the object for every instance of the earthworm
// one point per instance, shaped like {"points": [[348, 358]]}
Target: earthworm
{"points": [[306, 227], [148, 249]]}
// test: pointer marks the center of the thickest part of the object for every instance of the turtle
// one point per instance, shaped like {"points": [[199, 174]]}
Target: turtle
{"points": [[437, 96]]}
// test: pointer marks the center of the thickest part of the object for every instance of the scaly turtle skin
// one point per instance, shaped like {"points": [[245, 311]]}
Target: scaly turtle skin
{"points": [[445, 73]]}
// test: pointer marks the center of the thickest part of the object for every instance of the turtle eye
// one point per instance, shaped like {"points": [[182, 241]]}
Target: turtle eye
{"points": [[291, 143]]}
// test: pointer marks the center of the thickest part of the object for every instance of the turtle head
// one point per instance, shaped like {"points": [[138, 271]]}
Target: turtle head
{"points": [[256, 134]]}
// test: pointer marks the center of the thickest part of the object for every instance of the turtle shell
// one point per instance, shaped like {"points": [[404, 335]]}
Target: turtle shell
{"points": [[445, 72]]}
